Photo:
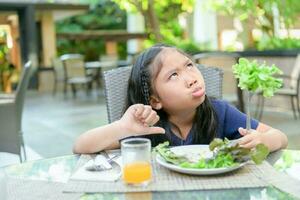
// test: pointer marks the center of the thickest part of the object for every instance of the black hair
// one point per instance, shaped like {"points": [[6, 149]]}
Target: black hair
{"points": [[139, 91], [139, 83]]}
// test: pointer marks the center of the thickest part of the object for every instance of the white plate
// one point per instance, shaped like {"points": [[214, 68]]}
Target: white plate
{"points": [[194, 150]]}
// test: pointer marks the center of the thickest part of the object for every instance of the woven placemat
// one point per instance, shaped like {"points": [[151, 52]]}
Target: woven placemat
{"points": [[249, 176], [22, 189]]}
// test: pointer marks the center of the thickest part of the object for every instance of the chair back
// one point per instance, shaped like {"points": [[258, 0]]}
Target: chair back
{"points": [[213, 78], [73, 65], [116, 84], [21, 91], [295, 75], [58, 69], [11, 138]]}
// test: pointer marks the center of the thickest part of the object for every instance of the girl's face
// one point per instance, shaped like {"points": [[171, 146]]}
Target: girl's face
{"points": [[179, 85]]}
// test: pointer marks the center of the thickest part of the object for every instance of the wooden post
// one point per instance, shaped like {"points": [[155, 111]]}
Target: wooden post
{"points": [[48, 38]]}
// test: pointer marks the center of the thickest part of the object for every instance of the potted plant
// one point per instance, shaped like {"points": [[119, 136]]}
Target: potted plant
{"points": [[254, 77], [6, 69]]}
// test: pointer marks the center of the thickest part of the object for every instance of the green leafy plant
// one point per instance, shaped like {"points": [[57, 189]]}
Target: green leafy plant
{"points": [[262, 13], [255, 77], [161, 16], [103, 15], [6, 69], [271, 43], [225, 154], [162, 24], [3, 58]]}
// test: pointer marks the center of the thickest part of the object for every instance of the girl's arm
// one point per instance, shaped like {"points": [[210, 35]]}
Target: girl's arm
{"points": [[273, 138], [137, 120], [97, 139]]}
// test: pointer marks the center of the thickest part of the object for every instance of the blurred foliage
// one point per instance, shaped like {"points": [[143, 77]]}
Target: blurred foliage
{"points": [[262, 13], [91, 48], [270, 43], [3, 52], [160, 5], [185, 45], [105, 15], [7, 70], [161, 18], [3, 58]]}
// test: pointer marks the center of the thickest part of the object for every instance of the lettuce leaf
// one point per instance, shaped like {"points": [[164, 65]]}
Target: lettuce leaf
{"points": [[257, 77]]}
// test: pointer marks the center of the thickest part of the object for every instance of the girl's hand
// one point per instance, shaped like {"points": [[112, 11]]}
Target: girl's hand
{"points": [[250, 138], [139, 120]]}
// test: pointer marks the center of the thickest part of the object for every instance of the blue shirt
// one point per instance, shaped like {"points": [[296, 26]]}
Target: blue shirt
{"points": [[229, 120]]}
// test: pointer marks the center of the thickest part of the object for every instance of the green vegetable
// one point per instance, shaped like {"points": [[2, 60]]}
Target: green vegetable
{"points": [[259, 153], [220, 160], [225, 154], [253, 76], [164, 150], [240, 154]]}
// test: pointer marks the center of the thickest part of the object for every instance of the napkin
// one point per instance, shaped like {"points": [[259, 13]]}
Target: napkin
{"points": [[112, 174]]}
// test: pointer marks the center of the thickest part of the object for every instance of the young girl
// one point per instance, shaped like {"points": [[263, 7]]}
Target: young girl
{"points": [[167, 102]]}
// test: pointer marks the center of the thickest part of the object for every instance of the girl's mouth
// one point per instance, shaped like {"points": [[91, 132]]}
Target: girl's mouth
{"points": [[198, 92]]}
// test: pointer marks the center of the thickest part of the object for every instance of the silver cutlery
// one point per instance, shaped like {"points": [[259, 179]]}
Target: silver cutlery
{"points": [[101, 166]]}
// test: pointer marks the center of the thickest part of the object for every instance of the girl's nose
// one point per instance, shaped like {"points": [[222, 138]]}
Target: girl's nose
{"points": [[191, 81]]}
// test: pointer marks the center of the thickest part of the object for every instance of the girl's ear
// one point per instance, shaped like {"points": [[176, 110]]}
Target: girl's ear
{"points": [[155, 103]]}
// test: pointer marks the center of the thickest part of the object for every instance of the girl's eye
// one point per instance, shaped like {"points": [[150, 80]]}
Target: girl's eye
{"points": [[173, 75], [190, 65]]}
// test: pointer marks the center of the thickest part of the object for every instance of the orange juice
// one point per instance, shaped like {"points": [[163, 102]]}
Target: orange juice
{"points": [[137, 172]]}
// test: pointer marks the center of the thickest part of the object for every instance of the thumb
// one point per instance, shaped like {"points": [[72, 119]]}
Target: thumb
{"points": [[155, 130], [243, 131]]}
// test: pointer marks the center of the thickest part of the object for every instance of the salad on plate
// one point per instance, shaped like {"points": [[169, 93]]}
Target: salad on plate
{"points": [[219, 156]]}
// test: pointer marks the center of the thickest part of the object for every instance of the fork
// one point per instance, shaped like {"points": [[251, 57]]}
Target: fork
{"points": [[101, 167]]}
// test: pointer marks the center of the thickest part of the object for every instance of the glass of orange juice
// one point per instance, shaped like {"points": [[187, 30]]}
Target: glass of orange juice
{"points": [[136, 156]]}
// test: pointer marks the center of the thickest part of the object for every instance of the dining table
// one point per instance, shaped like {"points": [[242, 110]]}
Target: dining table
{"points": [[45, 178], [99, 66]]}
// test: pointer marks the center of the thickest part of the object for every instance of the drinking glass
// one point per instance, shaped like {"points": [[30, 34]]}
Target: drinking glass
{"points": [[136, 155]]}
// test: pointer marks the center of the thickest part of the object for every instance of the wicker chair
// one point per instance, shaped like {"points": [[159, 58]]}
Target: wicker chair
{"points": [[59, 74], [11, 109], [290, 89], [75, 72], [116, 83]]}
